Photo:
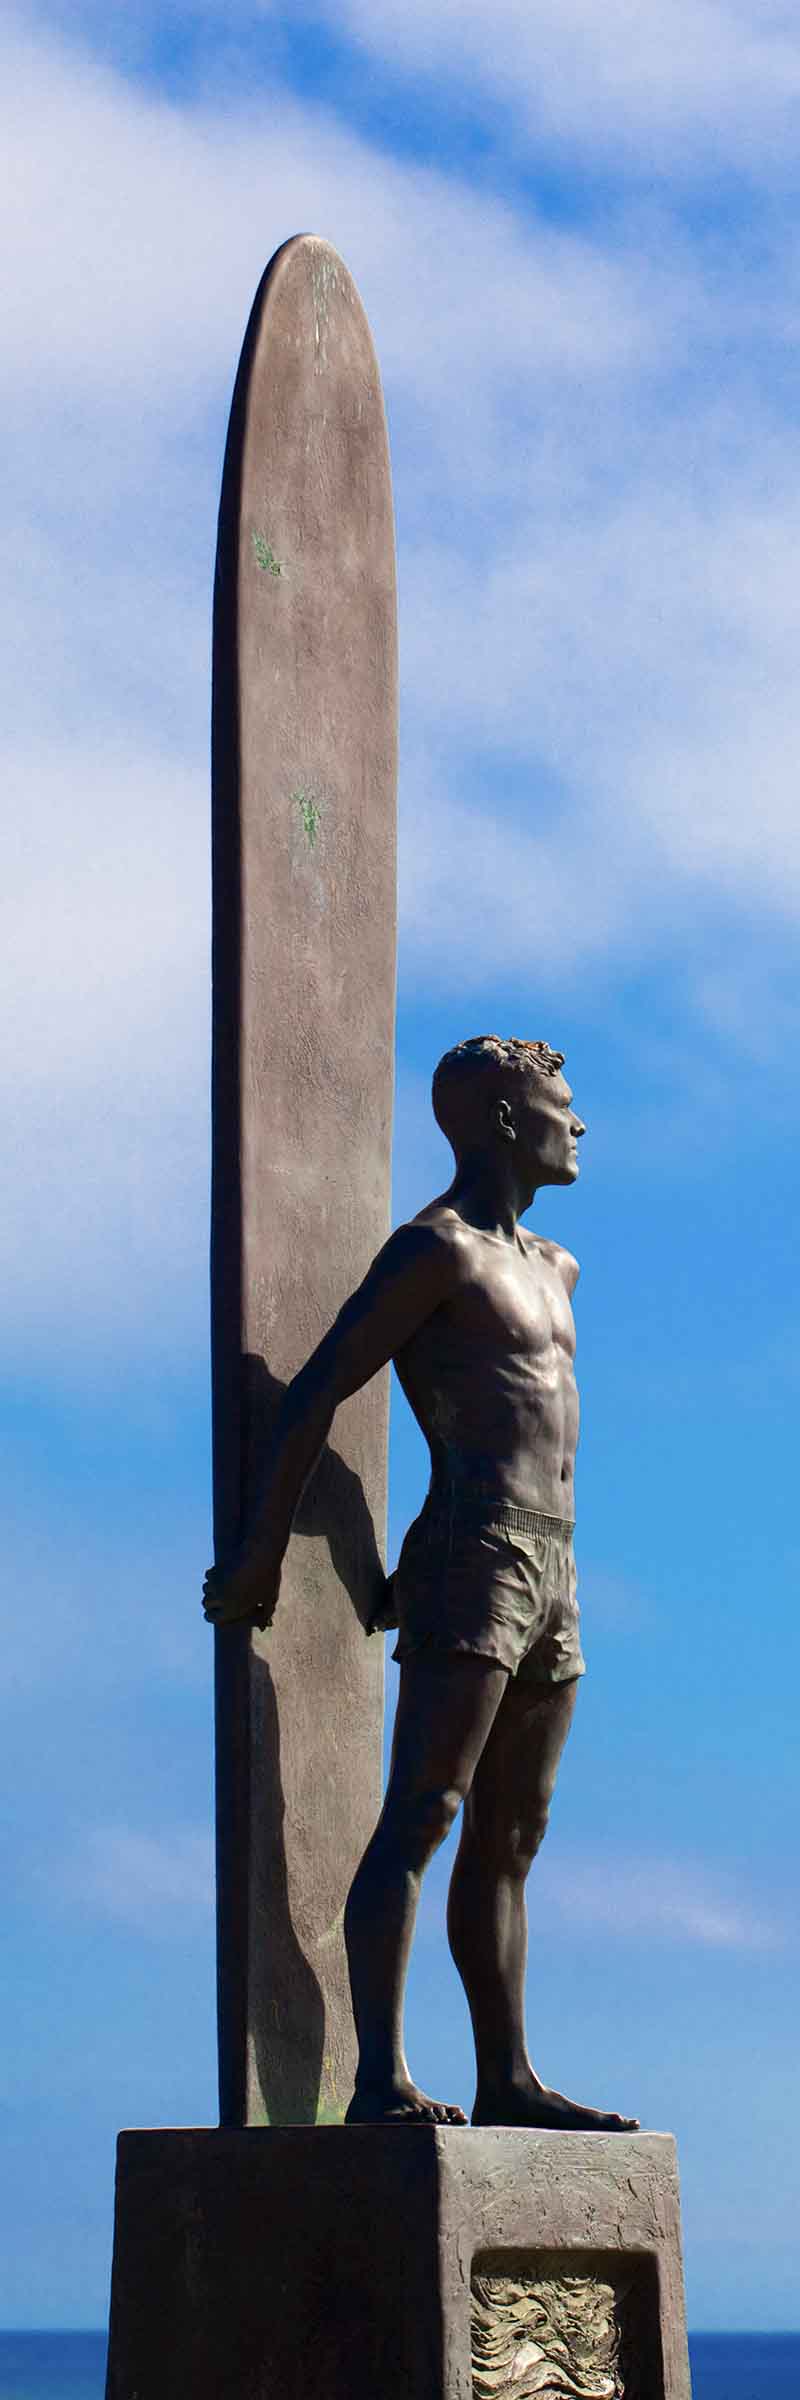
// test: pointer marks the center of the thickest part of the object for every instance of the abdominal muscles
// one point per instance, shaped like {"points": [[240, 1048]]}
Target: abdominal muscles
{"points": [[510, 1424]]}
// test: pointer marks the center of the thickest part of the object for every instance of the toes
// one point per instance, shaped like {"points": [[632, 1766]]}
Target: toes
{"points": [[429, 2112], [420, 2111]]}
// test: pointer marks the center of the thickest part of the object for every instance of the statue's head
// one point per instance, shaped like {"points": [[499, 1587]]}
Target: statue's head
{"points": [[488, 1093]]}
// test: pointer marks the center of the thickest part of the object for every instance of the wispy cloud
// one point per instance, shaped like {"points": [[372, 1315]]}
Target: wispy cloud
{"points": [[161, 1883], [104, 1045], [638, 1897], [688, 86], [684, 84], [598, 509], [615, 1601], [658, 1898]]}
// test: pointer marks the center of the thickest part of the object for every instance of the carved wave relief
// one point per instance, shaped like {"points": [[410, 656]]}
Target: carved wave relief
{"points": [[551, 2333]]}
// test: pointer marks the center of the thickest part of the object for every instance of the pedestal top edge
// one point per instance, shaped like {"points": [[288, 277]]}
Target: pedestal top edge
{"points": [[448, 2140]]}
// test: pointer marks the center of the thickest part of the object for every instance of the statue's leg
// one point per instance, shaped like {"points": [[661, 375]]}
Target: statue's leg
{"points": [[446, 1708], [505, 1818]]}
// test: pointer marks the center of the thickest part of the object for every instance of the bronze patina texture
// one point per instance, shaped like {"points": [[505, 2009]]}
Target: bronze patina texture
{"points": [[477, 1315], [304, 771], [352, 2263]]}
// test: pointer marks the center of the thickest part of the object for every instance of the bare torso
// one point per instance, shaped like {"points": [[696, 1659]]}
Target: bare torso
{"points": [[490, 1374]]}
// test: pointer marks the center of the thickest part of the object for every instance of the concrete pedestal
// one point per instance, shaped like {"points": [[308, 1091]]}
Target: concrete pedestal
{"points": [[402, 2263]]}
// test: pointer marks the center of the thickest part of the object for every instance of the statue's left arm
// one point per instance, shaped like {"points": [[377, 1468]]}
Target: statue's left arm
{"points": [[410, 1277]]}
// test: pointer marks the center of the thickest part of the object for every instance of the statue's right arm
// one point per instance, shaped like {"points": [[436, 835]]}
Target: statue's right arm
{"points": [[415, 1272]]}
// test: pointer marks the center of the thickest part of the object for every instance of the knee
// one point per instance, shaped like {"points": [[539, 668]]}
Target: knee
{"points": [[428, 1817], [513, 1846], [527, 1837]]}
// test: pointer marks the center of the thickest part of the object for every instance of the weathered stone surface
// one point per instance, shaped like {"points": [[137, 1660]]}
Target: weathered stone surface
{"points": [[288, 2264], [304, 767], [346, 2261], [594, 2201]]}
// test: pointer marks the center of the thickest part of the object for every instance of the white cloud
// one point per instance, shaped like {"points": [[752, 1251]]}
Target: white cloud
{"points": [[683, 85], [652, 1899], [689, 85], [139, 228], [678, 82], [156, 1883], [104, 981], [104, 1572], [598, 510], [614, 1601], [111, 904], [666, 1899], [645, 662]]}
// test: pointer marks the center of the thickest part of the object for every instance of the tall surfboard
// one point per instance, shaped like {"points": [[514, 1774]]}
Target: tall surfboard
{"points": [[304, 779]]}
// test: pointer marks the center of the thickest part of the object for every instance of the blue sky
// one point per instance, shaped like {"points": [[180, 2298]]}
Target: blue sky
{"points": [[575, 233]]}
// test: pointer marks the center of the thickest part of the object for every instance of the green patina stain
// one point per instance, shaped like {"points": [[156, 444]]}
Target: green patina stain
{"points": [[311, 815], [329, 2107], [329, 2110], [265, 555], [329, 2113]]}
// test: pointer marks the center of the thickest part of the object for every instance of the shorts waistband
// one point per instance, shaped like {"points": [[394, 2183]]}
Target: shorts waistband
{"points": [[529, 1521], [481, 1508]]}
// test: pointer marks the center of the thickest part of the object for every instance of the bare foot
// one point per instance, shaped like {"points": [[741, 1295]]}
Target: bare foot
{"points": [[528, 2102], [399, 2102]]}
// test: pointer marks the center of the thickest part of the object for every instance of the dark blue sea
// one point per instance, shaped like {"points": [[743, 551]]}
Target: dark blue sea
{"points": [[725, 2366], [52, 2366], [739, 2366]]}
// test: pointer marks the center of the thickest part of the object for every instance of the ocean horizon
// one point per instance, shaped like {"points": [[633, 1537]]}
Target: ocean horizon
{"points": [[725, 2366]]}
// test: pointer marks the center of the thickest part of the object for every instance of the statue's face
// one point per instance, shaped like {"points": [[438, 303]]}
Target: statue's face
{"points": [[547, 1128]]}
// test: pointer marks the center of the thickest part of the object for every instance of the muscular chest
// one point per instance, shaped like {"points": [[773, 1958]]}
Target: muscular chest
{"points": [[516, 1306]]}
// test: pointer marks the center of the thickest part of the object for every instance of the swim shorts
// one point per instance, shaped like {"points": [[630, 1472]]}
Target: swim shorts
{"points": [[482, 1575]]}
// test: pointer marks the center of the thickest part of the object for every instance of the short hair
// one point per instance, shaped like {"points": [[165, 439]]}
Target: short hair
{"points": [[476, 1073]]}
